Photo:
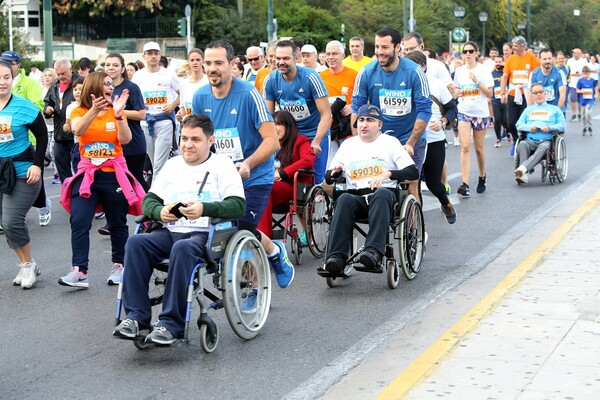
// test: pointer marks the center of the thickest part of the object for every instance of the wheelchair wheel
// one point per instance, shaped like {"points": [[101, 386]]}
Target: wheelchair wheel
{"points": [[209, 340], [348, 270], [296, 249], [318, 218], [246, 281], [561, 162], [393, 273], [411, 234], [544, 167]]}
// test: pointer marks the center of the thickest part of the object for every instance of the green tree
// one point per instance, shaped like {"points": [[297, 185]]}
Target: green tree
{"points": [[20, 39], [101, 7]]}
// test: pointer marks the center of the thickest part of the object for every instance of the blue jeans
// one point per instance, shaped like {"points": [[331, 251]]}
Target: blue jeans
{"points": [[142, 252]]}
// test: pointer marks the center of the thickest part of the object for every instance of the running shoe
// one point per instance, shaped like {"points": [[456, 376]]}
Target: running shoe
{"points": [[161, 336], [99, 215], [284, 270], [448, 189], [45, 213], [115, 274], [464, 190], [573, 118], [75, 278], [498, 143], [103, 230], [450, 213], [512, 151], [481, 184], [303, 239], [249, 306], [129, 329], [56, 180], [521, 175], [29, 272]]}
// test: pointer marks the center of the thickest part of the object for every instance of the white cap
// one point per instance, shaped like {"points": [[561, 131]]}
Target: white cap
{"points": [[151, 46], [309, 48]]}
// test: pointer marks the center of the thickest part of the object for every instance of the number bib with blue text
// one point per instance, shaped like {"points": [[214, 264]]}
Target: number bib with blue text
{"points": [[6, 134], [227, 142], [298, 108], [395, 102]]}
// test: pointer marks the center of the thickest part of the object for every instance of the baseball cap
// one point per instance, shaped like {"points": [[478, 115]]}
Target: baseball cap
{"points": [[308, 48], [11, 56], [151, 46], [520, 40], [370, 111]]}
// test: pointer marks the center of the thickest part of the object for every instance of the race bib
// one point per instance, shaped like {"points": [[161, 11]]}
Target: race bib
{"points": [[470, 92], [6, 134], [395, 102], [277, 165], [549, 93], [362, 172], [520, 77], [497, 93], [155, 99], [539, 115], [298, 108], [227, 142], [188, 108], [588, 93]]}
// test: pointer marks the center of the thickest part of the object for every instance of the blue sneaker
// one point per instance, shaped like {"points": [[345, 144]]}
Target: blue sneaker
{"points": [[303, 239], [75, 278], [512, 151], [249, 306], [284, 270]]}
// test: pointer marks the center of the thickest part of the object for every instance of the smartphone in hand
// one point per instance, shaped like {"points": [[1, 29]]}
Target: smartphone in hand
{"points": [[175, 210]]}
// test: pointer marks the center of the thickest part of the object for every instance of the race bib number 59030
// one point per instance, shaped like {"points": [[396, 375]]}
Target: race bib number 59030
{"points": [[362, 172]]}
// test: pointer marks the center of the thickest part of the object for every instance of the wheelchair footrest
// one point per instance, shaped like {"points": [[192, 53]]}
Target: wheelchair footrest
{"points": [[362, 268], [326, 274]]}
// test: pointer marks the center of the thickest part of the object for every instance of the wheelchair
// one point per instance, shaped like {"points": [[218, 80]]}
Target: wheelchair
{"points": [[555, 165], [311, 204], [238, 265], [406, 228]]}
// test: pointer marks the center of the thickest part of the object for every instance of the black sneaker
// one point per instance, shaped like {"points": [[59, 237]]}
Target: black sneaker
{"points": [[450, 213], [103, 230], [584, 131], [590, 131], [464, 190], [335, 264], [370, 258], [481, 184]]}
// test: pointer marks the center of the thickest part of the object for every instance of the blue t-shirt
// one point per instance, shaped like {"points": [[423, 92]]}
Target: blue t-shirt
{"points": [[589, 85], [540, 116], [236, 118], [402, 96], [137, 145], [298, 97], [496, 96], [551, 82], [15, 119]]}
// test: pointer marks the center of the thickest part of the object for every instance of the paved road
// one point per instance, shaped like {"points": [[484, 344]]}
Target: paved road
{"points": [[58, 341]]}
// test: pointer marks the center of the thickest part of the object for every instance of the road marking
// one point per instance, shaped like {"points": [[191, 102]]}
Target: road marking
{"points": [[426, 364]]}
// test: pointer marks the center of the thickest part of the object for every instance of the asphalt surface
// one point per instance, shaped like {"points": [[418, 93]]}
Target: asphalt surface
{"points": [[58, 341]]}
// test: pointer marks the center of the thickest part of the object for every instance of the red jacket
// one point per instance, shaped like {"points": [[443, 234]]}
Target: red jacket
{"points": [[303, 157]]}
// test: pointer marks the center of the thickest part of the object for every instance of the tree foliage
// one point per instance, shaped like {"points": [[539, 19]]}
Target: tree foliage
{"points": [[20, 38], [100, 7]]}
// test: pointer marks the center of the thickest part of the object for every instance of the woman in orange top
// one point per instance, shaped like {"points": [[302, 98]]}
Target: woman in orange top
{"points": [[102, 128]]}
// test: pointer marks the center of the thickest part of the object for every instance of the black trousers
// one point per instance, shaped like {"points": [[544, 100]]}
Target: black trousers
{"points": [[62, 158]]}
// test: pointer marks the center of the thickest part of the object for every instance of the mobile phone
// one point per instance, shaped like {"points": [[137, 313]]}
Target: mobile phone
{"points": [[175, 210]]}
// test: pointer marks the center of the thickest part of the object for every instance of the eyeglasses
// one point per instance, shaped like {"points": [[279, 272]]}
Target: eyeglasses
{"points": [[110, 84], [470, 51], [538, 92], [333, 54], [254, 59], [152, 52]]}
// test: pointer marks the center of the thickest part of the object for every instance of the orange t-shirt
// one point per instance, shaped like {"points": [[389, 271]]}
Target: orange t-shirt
{"points": [[260, 78], [518, 69], [340, 84], [100, 141]]}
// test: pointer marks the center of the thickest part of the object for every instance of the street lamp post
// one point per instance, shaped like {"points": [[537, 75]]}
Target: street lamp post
{"points": [[457, 34], [521, 25], [509, 22], [483, 17], [459, 13]]}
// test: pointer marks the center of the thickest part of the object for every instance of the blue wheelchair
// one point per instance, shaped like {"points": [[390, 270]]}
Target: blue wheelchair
{"points": [[239, 268]]}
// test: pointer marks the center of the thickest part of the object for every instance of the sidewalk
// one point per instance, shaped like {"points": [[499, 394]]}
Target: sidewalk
{"points": [[536, 335]]}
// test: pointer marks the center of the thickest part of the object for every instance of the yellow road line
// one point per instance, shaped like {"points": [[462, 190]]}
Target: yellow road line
{"points": [[431, 358]]}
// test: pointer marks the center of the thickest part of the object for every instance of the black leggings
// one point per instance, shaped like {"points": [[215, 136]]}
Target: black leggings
{"points": [[431, 172], [135, 165], [500, 119], [514, 112]]}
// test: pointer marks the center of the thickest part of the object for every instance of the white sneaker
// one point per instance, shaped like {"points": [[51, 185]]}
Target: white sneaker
{"points": [[17, 281], [115, 275], [46, 213], [30, 274], [521, 174]]}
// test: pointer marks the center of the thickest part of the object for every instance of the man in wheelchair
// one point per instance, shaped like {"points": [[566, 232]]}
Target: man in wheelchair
{"points": [[191, 189], [372, 164], [539, 121]]}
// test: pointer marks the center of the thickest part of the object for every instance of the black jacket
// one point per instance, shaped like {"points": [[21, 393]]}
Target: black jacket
{"points": [[52, 99]]}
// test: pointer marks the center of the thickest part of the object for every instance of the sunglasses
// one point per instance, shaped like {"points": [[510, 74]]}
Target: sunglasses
{"points": [[470, 51], [254, 59], [110, 84]]}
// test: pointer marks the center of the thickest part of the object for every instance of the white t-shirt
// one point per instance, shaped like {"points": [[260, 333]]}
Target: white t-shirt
{"points": [[70, 109], [438, 70], [575, 67], [187, 91], [364, 161], [158, 88], [473, 102], [441, 92], [180, 182]]}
